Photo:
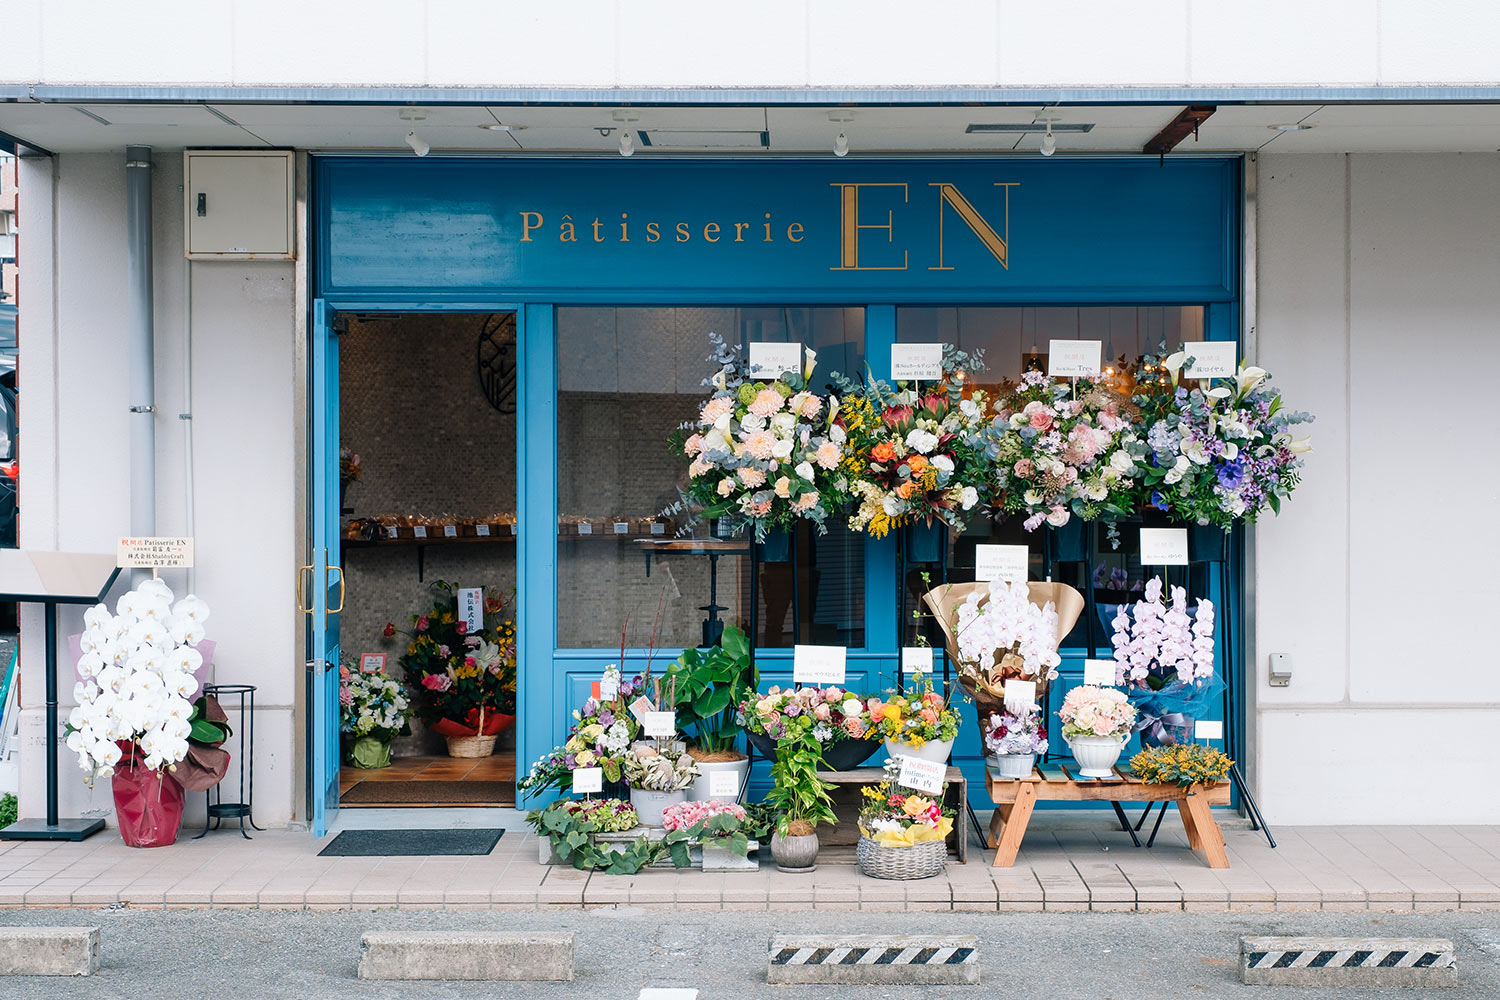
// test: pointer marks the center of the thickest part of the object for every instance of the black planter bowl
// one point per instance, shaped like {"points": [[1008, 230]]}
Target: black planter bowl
{"points": [[845, 755]]}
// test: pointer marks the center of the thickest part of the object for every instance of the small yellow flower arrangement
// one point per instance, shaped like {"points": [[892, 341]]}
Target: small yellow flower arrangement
{"points": [[1182, 764]]}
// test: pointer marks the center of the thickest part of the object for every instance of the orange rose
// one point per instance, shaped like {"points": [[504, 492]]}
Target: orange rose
{"points": [[917, 463], [884, 452], [906, 489], [915, 805]]}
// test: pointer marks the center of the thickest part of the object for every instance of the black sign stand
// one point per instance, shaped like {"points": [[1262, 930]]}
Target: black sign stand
{"points": [[50, 579]]}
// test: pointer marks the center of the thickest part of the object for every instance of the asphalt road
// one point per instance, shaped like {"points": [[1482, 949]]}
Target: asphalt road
{"points": [[246, 954]]}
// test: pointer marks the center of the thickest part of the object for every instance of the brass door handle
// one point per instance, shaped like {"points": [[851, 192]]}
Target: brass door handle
{"points": [[340, 571], [300, 607]]}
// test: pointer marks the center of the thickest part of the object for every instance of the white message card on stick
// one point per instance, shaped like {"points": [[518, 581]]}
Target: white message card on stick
{"points": [[153, 553], [1211, 359], [818, 664], [660, 724], [767, 361], [1164, 547], [1099, 672], [723, 785], [923, 775], [1001, 562], [1019, 696], [916, 659], [1208, 729], [1072, 358], [588, 780], [910, 362], [471, 608]]}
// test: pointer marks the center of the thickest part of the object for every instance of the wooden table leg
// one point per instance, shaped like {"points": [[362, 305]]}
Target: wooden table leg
{"points": [[1189, 824], [1015, 825], [997, 823], [1210, 838]]}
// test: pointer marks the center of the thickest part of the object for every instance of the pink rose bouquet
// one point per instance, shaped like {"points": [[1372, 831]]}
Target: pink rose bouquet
{"points": [[1096, 711]]}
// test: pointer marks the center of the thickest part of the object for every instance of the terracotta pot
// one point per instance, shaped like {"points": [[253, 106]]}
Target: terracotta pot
{"points": [[795, 854]]}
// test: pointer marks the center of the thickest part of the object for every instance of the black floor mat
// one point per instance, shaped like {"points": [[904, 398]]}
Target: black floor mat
{"points": [[410, 843]]}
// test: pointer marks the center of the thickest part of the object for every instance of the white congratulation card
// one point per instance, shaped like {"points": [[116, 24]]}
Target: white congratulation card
{"points": [[1164, 547], [818, 664], [767, 361], [1211, 359], [915, 362], [1072, 358], [1010, 563]]}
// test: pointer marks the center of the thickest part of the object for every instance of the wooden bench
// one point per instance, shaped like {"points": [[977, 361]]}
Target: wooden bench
{"points": [[1016, 798]]}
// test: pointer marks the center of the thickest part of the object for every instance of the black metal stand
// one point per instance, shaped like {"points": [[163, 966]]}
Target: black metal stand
{"points": [[218, 809]]}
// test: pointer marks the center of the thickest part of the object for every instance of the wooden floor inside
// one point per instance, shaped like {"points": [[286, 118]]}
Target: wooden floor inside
{"points": [[442, 774]]}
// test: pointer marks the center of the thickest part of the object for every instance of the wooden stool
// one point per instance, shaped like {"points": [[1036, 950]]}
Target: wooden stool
{"points": [[1015, 799]]}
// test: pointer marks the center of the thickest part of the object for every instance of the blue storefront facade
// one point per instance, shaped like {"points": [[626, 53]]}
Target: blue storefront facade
{"points": [[903, 245]]}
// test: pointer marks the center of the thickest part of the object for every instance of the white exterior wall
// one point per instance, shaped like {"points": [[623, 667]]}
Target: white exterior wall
{"points": [[775, 43], [75, 447], [1379, 311]]}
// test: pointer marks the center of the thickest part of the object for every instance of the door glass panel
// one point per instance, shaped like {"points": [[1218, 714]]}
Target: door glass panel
{"points": [[627, 378]]}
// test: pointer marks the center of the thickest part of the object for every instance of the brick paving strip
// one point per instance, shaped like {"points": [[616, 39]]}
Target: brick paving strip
{"points": [[1064, 865]]}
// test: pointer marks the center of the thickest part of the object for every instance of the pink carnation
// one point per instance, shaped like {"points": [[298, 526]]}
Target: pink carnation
{"points": [[714, 409], [752, 477], [766, 402], [828, 455], [760, 443]]}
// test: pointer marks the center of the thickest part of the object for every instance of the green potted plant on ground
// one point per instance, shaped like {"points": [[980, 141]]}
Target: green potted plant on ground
{"points": [[799, 797], [709, 687]]}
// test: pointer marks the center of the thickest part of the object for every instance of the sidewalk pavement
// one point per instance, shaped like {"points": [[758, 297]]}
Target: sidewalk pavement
{"points": [[1069, 862]]}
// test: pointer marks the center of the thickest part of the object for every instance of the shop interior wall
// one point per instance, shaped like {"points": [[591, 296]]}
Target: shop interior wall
{"points": [[1379, 311], [76, 457]]}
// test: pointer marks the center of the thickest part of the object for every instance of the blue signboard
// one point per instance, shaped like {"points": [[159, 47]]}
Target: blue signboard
{"points": [[998, 230]]}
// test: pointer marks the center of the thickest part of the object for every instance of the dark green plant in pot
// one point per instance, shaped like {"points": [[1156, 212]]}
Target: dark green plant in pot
{"points": [[710, 686], [799, 796]]}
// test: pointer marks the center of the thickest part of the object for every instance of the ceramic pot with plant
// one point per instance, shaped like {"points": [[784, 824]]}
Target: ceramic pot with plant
{"points": [[799, 797], [1096, 723], [657, 779], [917, 723], [707, 689], [1012, 741]]}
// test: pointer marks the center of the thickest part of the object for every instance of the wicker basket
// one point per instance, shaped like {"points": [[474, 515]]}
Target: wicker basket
{"points": [[471, 746], [922, 860]]}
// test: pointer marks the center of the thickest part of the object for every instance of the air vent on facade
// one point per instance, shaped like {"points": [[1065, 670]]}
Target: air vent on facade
{"points": [[1039, 127], [667, 138]]}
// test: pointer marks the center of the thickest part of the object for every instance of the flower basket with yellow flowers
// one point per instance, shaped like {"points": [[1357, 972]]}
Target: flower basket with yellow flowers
{"points": [[902, 832]]}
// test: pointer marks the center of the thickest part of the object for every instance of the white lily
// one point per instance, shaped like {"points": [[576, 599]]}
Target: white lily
{"points": [[1249, 378], [1173, 364]]}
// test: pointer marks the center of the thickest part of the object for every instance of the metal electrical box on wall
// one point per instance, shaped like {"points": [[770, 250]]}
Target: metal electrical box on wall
{"points": [[238, 204]]}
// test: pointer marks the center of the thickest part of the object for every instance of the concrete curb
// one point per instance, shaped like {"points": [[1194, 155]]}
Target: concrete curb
{"points": [[49, 951], [1315, 961], [540, 956], [857, 959]]}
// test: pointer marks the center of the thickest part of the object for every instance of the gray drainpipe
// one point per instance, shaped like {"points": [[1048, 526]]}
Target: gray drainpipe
{"points": [[139, 312]]}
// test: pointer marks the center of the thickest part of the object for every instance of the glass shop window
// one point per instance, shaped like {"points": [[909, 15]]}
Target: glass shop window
{"points": [[627, 379], [1015, 339]]}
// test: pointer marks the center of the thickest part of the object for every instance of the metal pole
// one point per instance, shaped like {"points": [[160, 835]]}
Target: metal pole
{"points": [[50, 616], [140, 333]]}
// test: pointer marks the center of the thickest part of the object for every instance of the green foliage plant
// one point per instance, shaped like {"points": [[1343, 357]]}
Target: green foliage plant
{"points": [[710, 686]]}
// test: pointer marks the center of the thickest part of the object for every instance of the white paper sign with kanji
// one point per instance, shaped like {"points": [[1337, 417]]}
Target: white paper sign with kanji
{"points": [[912, 362], [767, 361], [818, 664], [659, 724], [588, 780], [1099, 672], [1010, 563], [471, 608], [723, 784], [154, 553], [1019, 695], [1164, 547], [1072, 358], [923, 775], [1211, 359], [916, 659]]}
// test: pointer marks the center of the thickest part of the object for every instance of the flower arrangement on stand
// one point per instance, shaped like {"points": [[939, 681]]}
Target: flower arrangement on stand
{"points": [[135, 713], [1012, 741], [902, 832], [763, 453], [1184, 764], [918, 723], [462, 683], [915, 455], [1164, 656], [1096, 723], [837, 720], [1221, 454], [373, 711], [1063, 449]]}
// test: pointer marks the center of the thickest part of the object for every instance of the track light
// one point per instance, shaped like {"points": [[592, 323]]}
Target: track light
{"points": [[1049, 142], [841, 145], [417, 145], [627, 144]]}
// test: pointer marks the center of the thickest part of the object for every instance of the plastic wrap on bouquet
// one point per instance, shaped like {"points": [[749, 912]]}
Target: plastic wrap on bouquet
{"points": [[148, 804], [1168, 716], [988, 687]]}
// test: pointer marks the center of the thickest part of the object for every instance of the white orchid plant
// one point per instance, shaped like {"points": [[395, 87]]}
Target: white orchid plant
{"points": [[137, 680]]}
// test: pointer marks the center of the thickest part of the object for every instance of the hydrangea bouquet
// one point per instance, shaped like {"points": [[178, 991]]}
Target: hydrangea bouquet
{"points": [[1220, 454], [136, 681], [763, 453], [1064, 449], [1164, 656]]}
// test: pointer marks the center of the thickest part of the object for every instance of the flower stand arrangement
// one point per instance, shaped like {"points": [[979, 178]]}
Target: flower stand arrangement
{"points": [[708, 688], [836, 719], [919, 723], [658, 778], [902, 832], [373, 711], [1012, 741], [1164, 658], [462, 684], [135, 714], [1096, 723], [1181, 764]]}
